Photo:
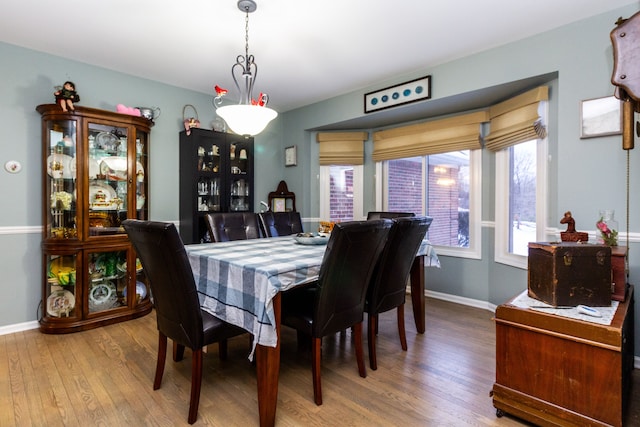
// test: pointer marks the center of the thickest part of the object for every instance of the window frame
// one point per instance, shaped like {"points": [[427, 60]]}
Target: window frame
{"points": [[502, 221], [474, 251], [358, 191]]}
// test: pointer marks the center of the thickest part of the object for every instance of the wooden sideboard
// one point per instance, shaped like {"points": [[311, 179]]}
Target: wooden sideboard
{"points": [[557, 371]]}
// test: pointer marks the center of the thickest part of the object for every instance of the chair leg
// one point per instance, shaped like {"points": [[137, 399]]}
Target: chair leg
{"points": [[372, 331], [196, 383], [162, 356], [357, 330], [222, 349], [401, 330], [178, 352], [316, 356]]}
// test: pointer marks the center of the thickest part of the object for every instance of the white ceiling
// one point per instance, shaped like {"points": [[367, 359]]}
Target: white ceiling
{"points": [[307, 51]]}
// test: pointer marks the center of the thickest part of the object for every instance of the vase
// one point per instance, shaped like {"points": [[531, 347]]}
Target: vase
{"points": [[608, 235]]}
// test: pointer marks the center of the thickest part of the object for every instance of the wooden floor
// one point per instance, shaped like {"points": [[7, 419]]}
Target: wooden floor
{"points": [[103, 377]]}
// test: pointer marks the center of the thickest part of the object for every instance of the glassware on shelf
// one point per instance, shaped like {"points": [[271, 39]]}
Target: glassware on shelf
{"points": [[139, 147], [202, 204]]}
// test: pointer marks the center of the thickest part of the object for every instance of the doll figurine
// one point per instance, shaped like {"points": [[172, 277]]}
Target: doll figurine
{"points": [[67, 95]]}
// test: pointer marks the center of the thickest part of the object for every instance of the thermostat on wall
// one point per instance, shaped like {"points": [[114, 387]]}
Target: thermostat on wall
{"points": [[13, 166]]}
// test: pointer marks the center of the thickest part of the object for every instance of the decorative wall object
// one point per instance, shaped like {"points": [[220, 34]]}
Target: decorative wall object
{"points": [[600, 117], [393, 96], [290, 156]]}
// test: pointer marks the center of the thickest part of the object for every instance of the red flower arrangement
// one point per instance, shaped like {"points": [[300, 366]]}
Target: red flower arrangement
{"points": [[608, 236]]}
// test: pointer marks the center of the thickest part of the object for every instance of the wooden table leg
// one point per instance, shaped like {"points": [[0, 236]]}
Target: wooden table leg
{"points": [[417, 292], [268, 370]]}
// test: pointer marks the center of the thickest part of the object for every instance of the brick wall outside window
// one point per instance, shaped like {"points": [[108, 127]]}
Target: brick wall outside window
{"points": [[341, 200], [405, 195]]}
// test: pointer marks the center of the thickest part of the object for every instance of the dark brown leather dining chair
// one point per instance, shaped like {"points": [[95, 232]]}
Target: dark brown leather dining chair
{"points": [[273, 224], [387, 289], [178, 312], [224, 227], [336, 301]]}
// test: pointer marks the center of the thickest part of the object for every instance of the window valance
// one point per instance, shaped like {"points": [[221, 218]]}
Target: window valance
{"points": [[342, 148], [456, 133], [517, 120]]}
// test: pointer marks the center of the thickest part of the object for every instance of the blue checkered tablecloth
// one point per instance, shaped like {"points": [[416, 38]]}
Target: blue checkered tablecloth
{"points": [[430, 256], [237, 280]]}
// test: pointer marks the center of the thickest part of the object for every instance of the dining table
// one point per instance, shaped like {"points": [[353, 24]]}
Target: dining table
{"points": [[241, 282]]}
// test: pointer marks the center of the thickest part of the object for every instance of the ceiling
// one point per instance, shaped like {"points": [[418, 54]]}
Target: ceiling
{"points": [[307, 51]]}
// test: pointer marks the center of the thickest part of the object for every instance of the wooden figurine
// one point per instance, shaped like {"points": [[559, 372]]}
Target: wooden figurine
{"points": [[571, 235]]}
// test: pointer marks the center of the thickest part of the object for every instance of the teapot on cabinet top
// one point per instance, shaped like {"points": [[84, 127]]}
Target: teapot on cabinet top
{"points": [[150, 113]]}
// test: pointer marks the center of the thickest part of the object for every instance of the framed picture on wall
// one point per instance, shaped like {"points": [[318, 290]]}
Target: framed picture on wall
{"points": [[290, 156], [600, 117]]}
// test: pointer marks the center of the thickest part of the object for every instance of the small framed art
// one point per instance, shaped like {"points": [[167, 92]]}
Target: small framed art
{"points": [[290, 156], [600, 117], [279, 204]]}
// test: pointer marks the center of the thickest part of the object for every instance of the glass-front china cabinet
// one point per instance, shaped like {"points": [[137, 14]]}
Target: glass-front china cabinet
{"points": [[216, 175], [95, 167]]}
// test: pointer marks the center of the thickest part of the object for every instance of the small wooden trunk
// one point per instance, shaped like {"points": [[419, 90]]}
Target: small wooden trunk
{"points": [[569, 274]]}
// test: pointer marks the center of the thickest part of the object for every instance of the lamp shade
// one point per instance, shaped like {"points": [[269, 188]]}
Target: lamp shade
{"points": [[246, 119]]}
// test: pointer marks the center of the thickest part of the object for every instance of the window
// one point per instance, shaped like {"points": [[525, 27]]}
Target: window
{"points": [[341, 192], [518, 136], [520, 200], [341, 156], [443, 186]]}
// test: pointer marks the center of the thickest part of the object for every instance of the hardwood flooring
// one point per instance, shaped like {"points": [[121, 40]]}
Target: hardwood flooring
{"points": [[103, 377]]}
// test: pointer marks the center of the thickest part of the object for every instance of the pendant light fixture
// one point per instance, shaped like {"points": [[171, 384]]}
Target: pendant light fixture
{"points": [[250, 115]]}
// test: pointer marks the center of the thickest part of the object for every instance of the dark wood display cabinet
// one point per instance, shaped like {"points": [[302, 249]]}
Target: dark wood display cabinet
{"points": [[95, 174], [216, 175], [557, 371]]}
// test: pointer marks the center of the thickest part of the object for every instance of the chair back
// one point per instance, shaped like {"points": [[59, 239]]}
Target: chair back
{"points": [[275, 224], [349, 259], [388, 215], [166, 265], [224, 227], [388, 284]]}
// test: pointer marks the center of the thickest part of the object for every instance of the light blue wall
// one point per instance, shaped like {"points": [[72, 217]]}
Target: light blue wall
{"points": [[29, 78], [586, 175]]}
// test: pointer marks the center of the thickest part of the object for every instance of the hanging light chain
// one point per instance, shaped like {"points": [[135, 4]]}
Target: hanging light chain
{"points": [[249, 64], [246, 32]]}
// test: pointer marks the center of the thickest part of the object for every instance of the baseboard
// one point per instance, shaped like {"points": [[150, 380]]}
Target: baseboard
{"points": [[461, 300], [19, 327]]}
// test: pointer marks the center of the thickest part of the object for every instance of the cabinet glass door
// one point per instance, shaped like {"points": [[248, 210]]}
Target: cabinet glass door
{"points": [[108, 280], [209, 168], [108, 179], [240, 189], [60, 291], [142, 293], [142, 162], [61, 179]]}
